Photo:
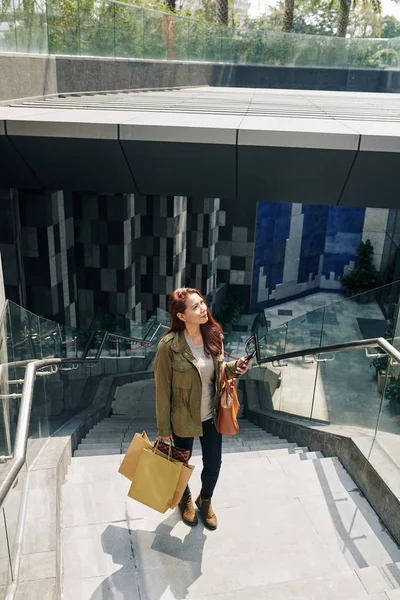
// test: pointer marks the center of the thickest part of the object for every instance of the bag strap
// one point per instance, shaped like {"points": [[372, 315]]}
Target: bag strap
{"points": [[223, 377], [155, 447]]}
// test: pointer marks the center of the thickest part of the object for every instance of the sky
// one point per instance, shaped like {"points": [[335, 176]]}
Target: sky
{"points": [[259, 7]]}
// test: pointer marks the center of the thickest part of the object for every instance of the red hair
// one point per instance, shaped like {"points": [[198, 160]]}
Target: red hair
{"points": [[211, 331]]}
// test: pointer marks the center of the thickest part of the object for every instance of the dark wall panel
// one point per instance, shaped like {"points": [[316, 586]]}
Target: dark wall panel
{"points": [[292, 174], [14, 172], [76, 164], [374, 181], [173, 169]]}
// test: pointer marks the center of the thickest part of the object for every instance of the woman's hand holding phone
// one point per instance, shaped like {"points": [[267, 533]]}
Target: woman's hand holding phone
{"points": [[243, 363]]}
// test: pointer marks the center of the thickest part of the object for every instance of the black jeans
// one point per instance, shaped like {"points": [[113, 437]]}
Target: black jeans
{"points": [[211, 445]]}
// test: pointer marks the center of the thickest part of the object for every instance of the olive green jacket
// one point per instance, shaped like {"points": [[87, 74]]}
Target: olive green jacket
{"points": [[179, 387]]}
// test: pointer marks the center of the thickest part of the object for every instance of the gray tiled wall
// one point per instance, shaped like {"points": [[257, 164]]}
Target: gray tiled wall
{"points": [[235, 248], [202, 239], [121, 253]]}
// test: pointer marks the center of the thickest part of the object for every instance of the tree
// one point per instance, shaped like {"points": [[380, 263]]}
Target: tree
{"points": [[312, 17], [390, 27], [288, 16], [344, 13], [364, 22], [222, 12]]}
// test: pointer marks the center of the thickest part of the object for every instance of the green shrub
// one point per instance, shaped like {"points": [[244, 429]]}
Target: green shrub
{"points": [[364, 277]]}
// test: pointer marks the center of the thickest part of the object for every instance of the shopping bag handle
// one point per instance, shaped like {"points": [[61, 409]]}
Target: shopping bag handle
{"points": [[170, 447]]}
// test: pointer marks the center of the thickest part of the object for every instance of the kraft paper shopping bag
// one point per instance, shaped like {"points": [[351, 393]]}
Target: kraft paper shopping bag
{"points": [[131, 460], [155, 481], [185, 475]]}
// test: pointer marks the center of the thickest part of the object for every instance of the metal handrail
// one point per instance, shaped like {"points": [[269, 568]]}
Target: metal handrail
{"points": [[21, 438], [332, 348], [116, 337]]}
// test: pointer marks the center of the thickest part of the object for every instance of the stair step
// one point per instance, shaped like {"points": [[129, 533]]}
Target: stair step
{"points": [[95, 451], [297, 456], [261, 446], [103, 439], [282, 452], [100, 445], [240, 449]]}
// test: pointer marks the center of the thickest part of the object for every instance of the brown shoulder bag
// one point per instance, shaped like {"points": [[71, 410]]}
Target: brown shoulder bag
{"points": [[228, 406]]}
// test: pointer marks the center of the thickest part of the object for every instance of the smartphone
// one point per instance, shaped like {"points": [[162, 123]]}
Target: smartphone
{"points": [[249, 357]]}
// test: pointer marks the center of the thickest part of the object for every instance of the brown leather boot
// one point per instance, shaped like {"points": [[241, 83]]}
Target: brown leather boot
{"points": [[187, 509], [207, 513]]}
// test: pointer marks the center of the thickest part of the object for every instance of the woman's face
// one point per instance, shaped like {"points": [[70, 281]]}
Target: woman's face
{"points": [[196, 310]]}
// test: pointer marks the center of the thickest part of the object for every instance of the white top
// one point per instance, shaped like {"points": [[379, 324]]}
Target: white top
{"points": [[206, 367]]}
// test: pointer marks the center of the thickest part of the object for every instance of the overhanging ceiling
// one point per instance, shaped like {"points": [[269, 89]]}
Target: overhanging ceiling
{"points": [[248, 144]]}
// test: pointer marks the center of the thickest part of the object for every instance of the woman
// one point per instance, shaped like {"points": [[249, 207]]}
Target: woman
{"points": [[187, 373]]}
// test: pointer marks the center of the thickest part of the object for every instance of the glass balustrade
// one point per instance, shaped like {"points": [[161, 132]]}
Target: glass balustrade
{"points": [[112, 29], [357, 392], [57, 395]]}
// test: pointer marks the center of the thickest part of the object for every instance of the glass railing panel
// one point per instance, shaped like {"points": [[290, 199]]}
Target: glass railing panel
{"points": [[387, 441], [298, 380], [362, 316], [367, 53], [157, 38], [5, 559], [304, 52], [68, 393], [332, 52], [5, 442], [345, 395], [100, 42], [63, 27], [234, 345], [51, 340], [275, 52], [203, 45], [129, 31], [8, 38], [249, 46], [9, 376], [96, 29], [11, 518], [109, 29], [23, 334], [39, 425], [4, 562], [30, 27], [73, 343], [178, 32], [227, 45], [273, 387], [64, 40], [273, 342], [393, 51], [304, 331]]}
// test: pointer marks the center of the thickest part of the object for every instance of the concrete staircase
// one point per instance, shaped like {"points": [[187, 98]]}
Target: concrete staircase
{"points": [[292, 524]]}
